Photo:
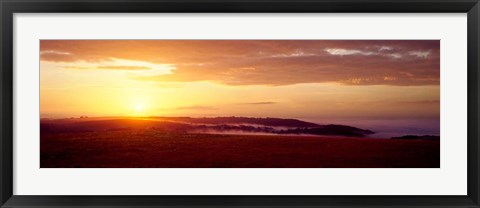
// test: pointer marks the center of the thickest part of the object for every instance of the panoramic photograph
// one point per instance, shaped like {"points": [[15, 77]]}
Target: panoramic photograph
{"points": [[239, 103]]}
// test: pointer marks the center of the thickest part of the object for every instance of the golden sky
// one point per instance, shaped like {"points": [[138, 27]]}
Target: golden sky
{"points": [[304, 79]]}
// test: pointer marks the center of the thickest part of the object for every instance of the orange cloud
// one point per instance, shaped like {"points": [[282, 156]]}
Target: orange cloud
{"points": [[267, 62], [124, 67]]}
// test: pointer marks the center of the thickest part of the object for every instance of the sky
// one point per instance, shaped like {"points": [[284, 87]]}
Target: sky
{"points": [[325, 81]]}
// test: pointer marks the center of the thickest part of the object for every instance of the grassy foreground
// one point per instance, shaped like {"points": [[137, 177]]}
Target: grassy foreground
{"points": [[157, 149]]}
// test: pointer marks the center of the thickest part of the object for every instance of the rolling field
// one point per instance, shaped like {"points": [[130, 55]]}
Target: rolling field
{"points": [[149, 148]]}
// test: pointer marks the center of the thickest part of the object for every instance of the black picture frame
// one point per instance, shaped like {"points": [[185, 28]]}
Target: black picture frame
{"points": [[9, 7]]}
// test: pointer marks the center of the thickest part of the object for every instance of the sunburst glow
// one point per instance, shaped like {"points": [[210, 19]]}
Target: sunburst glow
{"points": [[139, 108]]}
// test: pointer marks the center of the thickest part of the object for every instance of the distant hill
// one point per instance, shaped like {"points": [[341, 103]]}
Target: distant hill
{"points": [[424, 137], [338, 130], [93, 125], [275, 122], [235, 125]]}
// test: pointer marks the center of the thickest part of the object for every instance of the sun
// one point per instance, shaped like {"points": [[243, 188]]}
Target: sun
{"points": [[139, 108]]}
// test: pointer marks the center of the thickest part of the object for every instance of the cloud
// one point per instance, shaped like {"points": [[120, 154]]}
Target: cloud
{"points": [[385, 48], [344, 52], [109, 67], [269, 62], [196, 107], [55, 53], [124, 67], [420, 54], [435, 102], [76, 67], [57, 56], [259, 103], [394, 55]]}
